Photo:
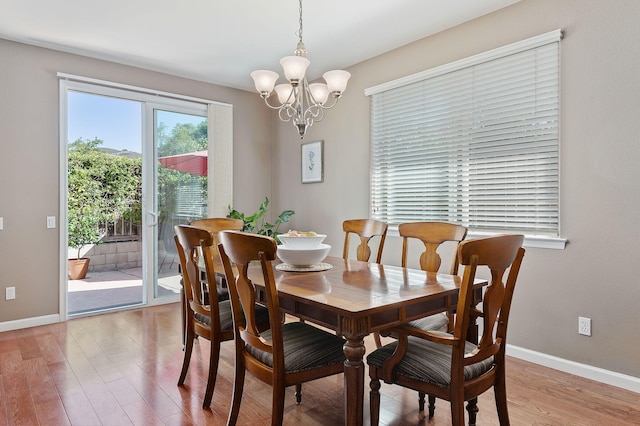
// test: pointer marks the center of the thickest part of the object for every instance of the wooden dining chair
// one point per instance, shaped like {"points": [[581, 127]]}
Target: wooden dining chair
{"points": [[447, 365], [365, 229], [209, 319], [215, 225], [287, 354], [433, 235]]}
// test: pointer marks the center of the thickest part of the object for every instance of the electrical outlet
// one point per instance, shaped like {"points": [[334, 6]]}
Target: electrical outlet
{"points": [[10, 293], [584, 326]]}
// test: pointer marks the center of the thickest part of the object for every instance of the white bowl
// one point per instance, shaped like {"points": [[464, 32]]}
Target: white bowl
{"points": [[303, 257], [302, 242]]}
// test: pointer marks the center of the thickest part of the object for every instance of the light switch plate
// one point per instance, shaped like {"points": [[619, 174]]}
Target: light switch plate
{"points": [[51, 221], [1, 223]]}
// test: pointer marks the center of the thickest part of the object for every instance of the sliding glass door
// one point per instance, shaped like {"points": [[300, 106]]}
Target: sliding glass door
{"points": [[135, 166]]}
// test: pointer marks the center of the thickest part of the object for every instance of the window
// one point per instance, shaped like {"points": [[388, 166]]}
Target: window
{"points": [[473, 142]]}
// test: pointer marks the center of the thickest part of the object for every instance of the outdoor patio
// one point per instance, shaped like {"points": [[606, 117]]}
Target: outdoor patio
{"points": [[114, 289]]}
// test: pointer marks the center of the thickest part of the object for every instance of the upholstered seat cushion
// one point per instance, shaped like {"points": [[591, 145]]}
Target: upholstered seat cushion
{"points": [[226, 318], [438, 322], [305, 347], [427, 361]]}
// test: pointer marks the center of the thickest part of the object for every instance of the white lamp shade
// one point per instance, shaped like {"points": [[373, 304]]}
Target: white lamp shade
{"points": [[336, 81], [285, 97], [320, 92], [294, 68], [264, 81]]}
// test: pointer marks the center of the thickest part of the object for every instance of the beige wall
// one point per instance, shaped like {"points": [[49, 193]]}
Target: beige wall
{"points": [[600, 172], [29, 166]]}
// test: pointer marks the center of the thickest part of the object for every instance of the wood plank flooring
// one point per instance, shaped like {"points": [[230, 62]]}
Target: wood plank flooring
{"points": [[122, 369]]}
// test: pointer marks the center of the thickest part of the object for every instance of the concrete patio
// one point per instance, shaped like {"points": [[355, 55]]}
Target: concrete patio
{"points": [[114, 289]]}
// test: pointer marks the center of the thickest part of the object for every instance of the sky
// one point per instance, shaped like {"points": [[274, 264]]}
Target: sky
{"points": [[118, 122]]}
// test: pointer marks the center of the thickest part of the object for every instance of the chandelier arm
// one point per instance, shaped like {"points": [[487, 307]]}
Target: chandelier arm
{"points": [[266, 101], [285, 115], [313, 114]]}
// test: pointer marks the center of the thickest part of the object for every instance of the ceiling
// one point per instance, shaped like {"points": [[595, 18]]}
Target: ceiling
{"points": [[222, 41]]}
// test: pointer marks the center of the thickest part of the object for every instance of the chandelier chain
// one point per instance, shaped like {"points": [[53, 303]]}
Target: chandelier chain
{"points": [[300, 21]]}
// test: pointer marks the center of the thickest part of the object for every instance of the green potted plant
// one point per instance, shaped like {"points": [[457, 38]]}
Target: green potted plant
{"points": [[83, 230], [256, 222], [83, 198]]}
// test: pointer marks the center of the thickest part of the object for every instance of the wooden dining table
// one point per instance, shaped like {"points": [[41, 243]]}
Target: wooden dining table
{"points": [[357, 298]]}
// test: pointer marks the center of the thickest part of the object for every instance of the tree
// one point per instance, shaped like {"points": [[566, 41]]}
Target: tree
{"points": [[101, 188], [184, 137]]}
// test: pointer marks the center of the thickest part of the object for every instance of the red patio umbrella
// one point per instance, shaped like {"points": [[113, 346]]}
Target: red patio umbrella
{"points": [[191, 162]]}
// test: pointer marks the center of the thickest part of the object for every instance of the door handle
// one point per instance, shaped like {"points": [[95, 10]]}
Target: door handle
{"points": [[153, 218]]}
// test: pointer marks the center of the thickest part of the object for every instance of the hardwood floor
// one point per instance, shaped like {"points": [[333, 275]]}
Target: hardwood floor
{"points": [[122, 368]]}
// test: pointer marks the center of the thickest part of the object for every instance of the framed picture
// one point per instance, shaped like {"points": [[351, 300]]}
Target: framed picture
{"points": [[312, 162]]}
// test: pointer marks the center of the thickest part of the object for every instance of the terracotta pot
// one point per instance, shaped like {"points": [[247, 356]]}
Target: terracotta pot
{"points": [[78, 268]]}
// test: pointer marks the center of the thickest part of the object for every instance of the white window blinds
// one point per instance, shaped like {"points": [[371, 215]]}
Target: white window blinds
{"points": [[475, 142]]}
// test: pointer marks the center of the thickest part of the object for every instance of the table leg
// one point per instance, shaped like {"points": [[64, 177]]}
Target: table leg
{"points": [[353, 380]]}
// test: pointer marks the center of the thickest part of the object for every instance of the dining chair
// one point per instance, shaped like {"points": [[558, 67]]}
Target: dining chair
{"points": [[432, 235], [365, 229], [287, 354], [215, 225], [448, 366], [212, 319]]}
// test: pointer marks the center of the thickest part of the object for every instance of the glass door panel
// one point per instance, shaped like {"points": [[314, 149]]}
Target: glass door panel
{"points": [[103, 209], [181, 148]]}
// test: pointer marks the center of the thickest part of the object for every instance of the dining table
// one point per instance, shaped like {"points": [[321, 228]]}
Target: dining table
{"points": [[357, 298]]}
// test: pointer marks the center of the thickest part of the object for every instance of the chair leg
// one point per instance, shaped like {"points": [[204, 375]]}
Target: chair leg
{"points": [[277, 404], [298, 393], [432, 406], [238, 386], [213, 372], [421, 396], [374, 402], [188, 347], [472, 408], [500, 392], [376, 337], [457, 411]]}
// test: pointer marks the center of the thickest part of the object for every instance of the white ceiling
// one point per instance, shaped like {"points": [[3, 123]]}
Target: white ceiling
{"points": [[222, 41]]}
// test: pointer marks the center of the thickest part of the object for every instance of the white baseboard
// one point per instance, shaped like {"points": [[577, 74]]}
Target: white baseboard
{"points": [[29, 322], [583, 370]]}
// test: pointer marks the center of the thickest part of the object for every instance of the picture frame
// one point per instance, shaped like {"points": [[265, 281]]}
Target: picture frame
{"points": [[312, 162]]}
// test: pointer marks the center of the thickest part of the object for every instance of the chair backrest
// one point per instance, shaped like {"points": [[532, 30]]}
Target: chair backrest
{"points": [[365, 229], [499, 254], [237, 250], [215, 225], [195, 247], [432, 234]]}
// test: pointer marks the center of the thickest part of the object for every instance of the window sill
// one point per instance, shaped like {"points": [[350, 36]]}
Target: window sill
{"points": [[530, 241]]}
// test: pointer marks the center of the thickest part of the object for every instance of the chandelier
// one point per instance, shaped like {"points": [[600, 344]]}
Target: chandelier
{"points": [[300, 102]]}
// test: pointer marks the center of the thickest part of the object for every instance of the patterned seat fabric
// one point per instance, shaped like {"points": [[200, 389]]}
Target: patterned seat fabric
{"points": [[226, 318], [305, 347], [428, 361]]}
